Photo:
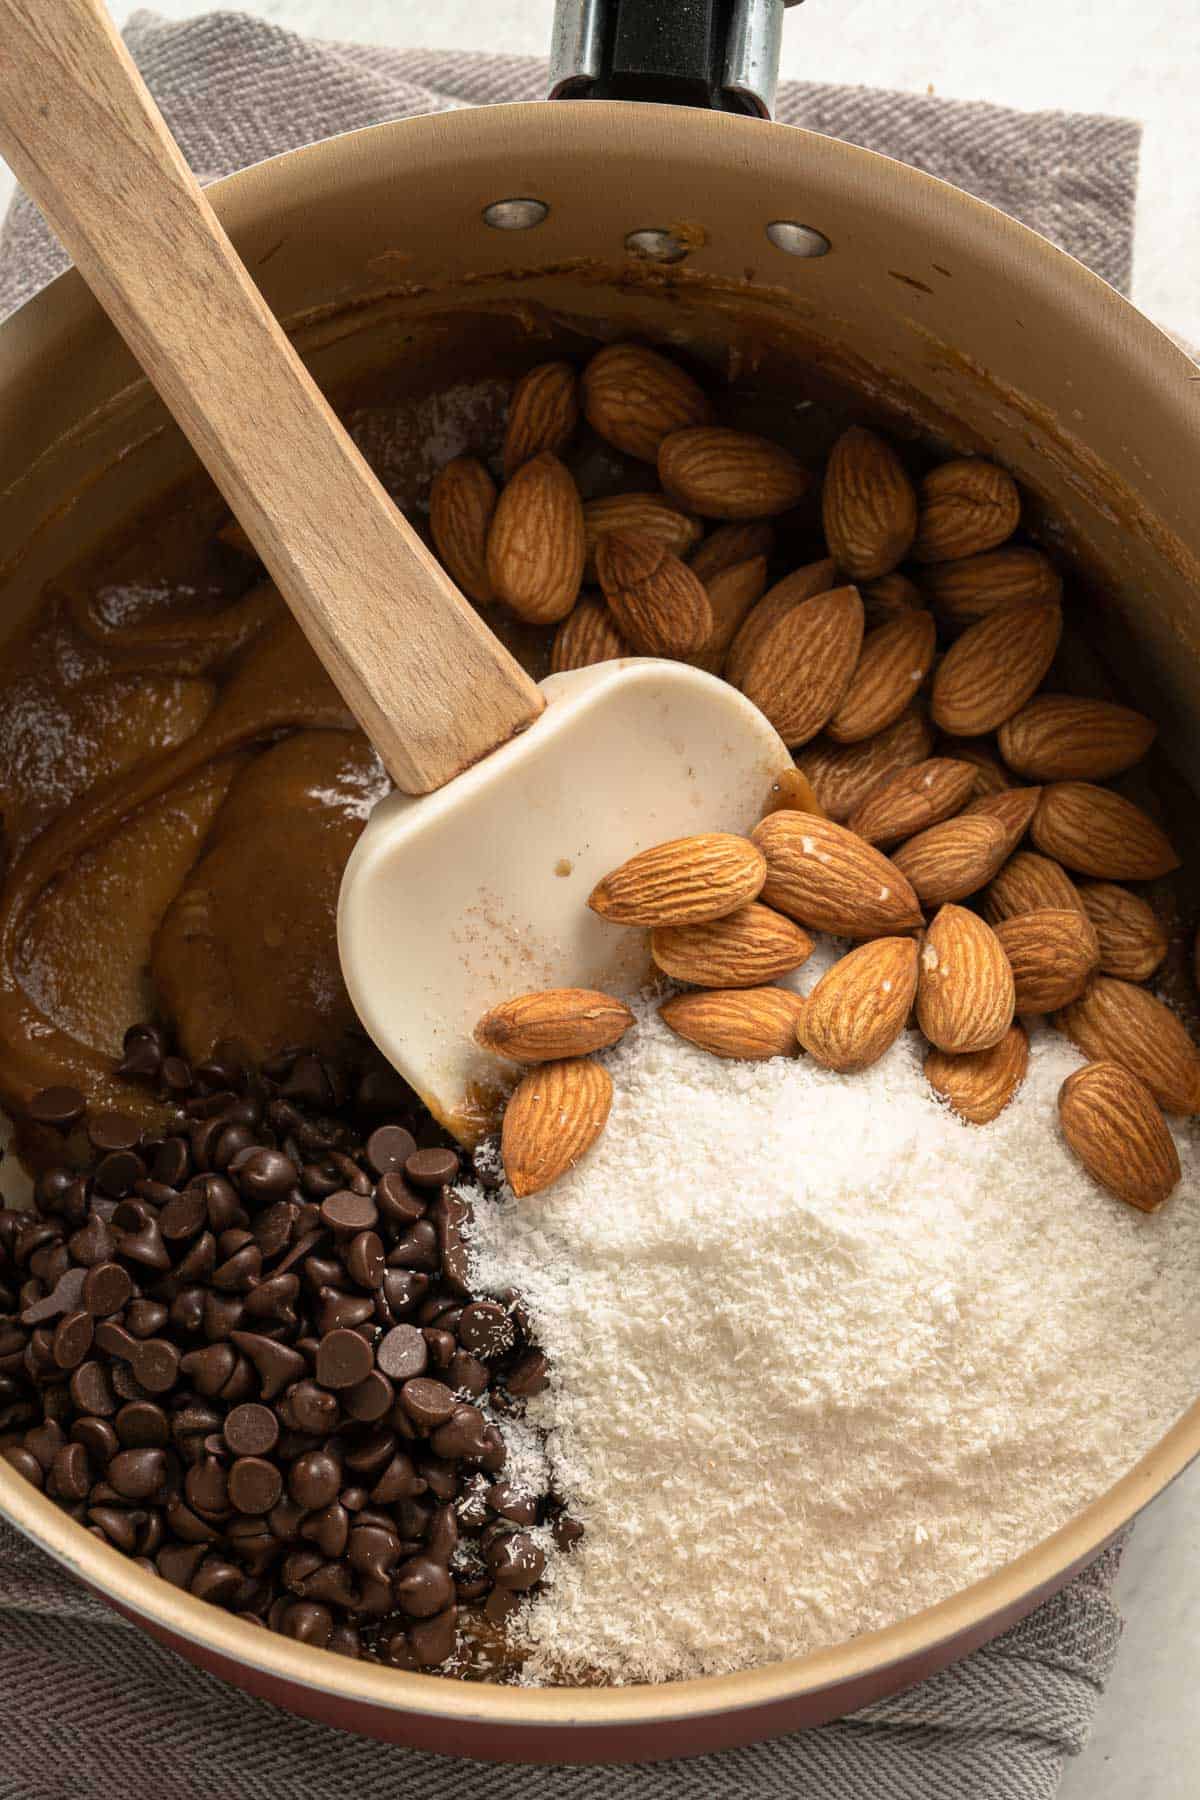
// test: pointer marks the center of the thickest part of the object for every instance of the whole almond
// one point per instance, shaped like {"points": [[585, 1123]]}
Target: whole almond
{"points": [[868, 506], [952, 860], [542, 414], [888, 597], [462, 500], [842, 775], [999, 579], [731, 594], [993, 668], [634, 398], [1115, 1021], [1053, 954], [801, 669], [1063, 737], [638, 515], [1014, 807], [683, 882], [553, 1023], [723, 474], [587, 635], [1029, 883], [660, 607], [802, 584], [979, 1085], [730, 544], [991, 776], [1132, 941], [892, 664], [1096, 832], [966, 506], [535, 544], [830, 880], [861, 1005], [792, 791], [1110, 1120], [747, 1024], [749, 948], [965, 992], [554, 1115], [912, 800]]}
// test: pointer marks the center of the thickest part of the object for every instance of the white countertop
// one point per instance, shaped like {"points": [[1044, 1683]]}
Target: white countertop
{"points": [[1085, 55]]}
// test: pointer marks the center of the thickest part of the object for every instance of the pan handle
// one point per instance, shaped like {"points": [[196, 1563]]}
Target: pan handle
{"points": [[721, 54]]}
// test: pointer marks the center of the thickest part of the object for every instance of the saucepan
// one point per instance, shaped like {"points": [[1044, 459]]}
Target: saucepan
{"points": [[653, 198]]}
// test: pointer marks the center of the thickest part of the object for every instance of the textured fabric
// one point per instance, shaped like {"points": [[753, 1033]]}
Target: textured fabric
{"points": [[92, 1707]]}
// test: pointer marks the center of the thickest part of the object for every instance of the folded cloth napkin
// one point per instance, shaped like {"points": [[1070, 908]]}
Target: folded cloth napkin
{"points": [[90, 1706]]}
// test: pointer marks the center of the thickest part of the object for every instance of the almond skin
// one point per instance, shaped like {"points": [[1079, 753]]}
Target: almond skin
{"points": [[1110, 1120], [542, 414], [993, 669], [966, 506], [802, 584], [660, 606], [892, 664], [551, 1024], [723, 474], [965, 993], [749, 948], [952, 860], [731, 594], [830, 880], [1062, 737], [635, 398], [535, 544], [746, 1024], [912, 800], [587, 635], [553, 1117], [999, 579], [792, 792], [462, 500], [1132, 941], [979, 1085], [887, 598], [868, 506], [1014, 807], [638, 515], [1053, 954], [861, 1005], [683, 882], [801, 669], [730, 544], [991, 776], [1115, 1021], [1096, 832], [842, 775]]}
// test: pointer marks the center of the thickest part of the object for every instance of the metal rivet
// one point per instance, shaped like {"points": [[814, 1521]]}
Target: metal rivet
{"points": [[515, 215], [655, 245], [798, 240]]}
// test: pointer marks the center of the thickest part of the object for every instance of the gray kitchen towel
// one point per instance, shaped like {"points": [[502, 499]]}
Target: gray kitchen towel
{"points": [[91, 1707]]}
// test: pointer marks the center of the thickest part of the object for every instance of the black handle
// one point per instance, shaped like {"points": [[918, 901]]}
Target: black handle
{"points": [[721, 54]]}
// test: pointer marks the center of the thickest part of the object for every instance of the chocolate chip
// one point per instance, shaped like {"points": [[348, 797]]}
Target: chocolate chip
{"points": [[146, 1318], [277, 1365], [70, 1473], [155, 1363], [401, 1353], [467, 1375], [97, 1437], [365, 1263], [216, 1581], [416, 1249], [58, 1106], [403, 1290], [370, 1398], [346, 1211], [486, 1330], [314, 1479], [397, 1201], [207, 1486], [516, 1561], [255, 1485], [427, 1403], [389, 1148], [141, 1425], [431, 1168], [343, 1359], [529, 1376], [309, 1408], [506, 1500], [91, 1390], [137, 1474], [252, 1430], [462, 1435], [262, 1173], [65, 1296], [105, 1289], [422, 1587], [73, 1339], [308, 1622], [432, 1641]]}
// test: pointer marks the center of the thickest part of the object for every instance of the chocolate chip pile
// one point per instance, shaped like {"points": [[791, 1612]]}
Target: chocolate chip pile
{"points": [[242, 1349]]}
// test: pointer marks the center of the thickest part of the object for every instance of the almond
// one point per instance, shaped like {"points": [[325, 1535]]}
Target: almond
{"points": [[888, 597], [979, 1085], [1132, 941], [868, 506], [952, 860], [542, 414], [1014, 807], [731, 594], [803, 665], [912, 800], [634, 398], [723, 474], [1100, 833], [554, 1115], [638, 515], [792, 791], [965, 993], [749, 1024], [1053, 954], [1063, 737], [802, 584], [979, 585], [966, 506], [659, 605], [861, 1005], [683, 882], [1111, 1122], [830, 880], [842, 775], [462, 500], [730, 544], [535, 544], [892, 664], [749, 948], [991, 776], [1115, 1021], [587, 635], [993, 668], [1029, 883], [551, 1024]]}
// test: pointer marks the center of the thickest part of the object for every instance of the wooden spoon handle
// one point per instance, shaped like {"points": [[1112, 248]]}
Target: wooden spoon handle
{"points": [[426, 679]]}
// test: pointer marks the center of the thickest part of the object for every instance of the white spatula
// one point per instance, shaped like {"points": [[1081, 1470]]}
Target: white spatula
{"points": [[476, 891]]}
